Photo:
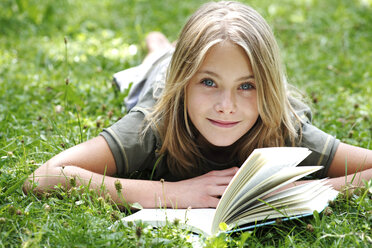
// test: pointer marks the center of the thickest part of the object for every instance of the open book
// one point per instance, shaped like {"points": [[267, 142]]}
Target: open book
{"points": [[245, 201]]}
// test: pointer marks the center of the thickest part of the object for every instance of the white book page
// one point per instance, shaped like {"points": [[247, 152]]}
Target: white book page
{"points": [[274, 159], [281, 178], [318, 203], [299, 189], [290, 192], [277, 159], [198, 220], [286, 202]]}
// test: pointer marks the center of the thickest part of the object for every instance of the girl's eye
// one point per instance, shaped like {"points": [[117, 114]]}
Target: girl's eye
{"points": [[208, 82], [246, 86]]}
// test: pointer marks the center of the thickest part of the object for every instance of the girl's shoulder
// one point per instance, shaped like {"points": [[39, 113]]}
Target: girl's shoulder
{"points": [[132, 148], [322, 144]]}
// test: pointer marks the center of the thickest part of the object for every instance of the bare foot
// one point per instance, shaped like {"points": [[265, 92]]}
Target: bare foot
{"points": [[156, 42]]}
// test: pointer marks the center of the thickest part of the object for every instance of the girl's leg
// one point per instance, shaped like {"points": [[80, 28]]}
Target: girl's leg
{"points": [[159, 48], [156, 44]]}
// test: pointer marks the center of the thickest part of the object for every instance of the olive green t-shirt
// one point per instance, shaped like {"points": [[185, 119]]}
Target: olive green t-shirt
{"points": [[133, 153]]}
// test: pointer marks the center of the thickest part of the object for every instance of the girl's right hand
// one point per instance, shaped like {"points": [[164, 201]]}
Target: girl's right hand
{"points": [[203, 191]]}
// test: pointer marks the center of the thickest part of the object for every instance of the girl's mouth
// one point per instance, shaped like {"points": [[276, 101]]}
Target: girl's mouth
{"points": [[224, 124]]}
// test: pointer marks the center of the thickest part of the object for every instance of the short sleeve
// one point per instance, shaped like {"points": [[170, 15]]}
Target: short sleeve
{"points": [[130, 150], [322, 145]]}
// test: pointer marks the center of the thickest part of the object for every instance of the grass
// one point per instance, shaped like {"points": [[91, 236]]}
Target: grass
{"points": [[56, 63]]}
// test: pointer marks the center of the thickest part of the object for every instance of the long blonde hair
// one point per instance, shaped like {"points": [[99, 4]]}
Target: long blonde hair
{"points": [[216, 22]]}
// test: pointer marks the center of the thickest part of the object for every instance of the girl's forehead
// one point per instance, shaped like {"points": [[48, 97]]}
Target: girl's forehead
{"points": [[223, 52], [226, 45], [225, 62]]}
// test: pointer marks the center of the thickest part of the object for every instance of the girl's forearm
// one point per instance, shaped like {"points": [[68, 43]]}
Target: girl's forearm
{"points": [[339, 183], [148, 193], [356, 179], [199, 192]]}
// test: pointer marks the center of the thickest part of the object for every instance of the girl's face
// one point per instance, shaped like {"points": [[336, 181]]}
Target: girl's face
{"points": [[221, 96]]}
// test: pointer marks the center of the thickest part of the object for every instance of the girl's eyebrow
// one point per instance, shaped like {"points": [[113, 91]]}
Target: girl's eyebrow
{"points": [[218, 77]]}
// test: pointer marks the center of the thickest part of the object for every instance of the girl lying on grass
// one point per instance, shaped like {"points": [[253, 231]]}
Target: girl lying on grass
{"points": [[225, 94]]}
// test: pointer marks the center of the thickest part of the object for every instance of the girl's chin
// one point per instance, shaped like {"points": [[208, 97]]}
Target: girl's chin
{"points": [[214, 140], [222, 143]]}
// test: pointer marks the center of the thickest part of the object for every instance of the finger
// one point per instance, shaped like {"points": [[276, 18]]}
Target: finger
{"points": [[216, 191], [227, 172], [213, 202], [221, 180]]}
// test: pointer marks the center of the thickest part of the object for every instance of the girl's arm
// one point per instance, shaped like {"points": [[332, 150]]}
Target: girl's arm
{"points": [[88, 161], [350, 165], [356, 162]]}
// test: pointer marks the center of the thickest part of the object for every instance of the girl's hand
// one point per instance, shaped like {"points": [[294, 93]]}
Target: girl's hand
{"points": [[200, 192]]}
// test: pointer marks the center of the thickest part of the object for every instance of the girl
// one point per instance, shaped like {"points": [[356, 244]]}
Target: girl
{"points": [[225, 94]]}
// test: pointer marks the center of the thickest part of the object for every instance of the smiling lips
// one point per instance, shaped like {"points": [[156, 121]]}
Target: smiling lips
{"points": [[224, 124]]}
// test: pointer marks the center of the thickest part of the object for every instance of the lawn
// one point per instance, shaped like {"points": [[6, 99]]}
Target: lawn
{"points": [[57, 59]]}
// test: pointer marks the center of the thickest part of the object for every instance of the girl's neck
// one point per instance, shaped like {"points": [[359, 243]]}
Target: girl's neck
{"points": [[218, 154]]}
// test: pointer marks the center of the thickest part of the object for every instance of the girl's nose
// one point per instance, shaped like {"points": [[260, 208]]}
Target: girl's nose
{"points": [[226, 103]]}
